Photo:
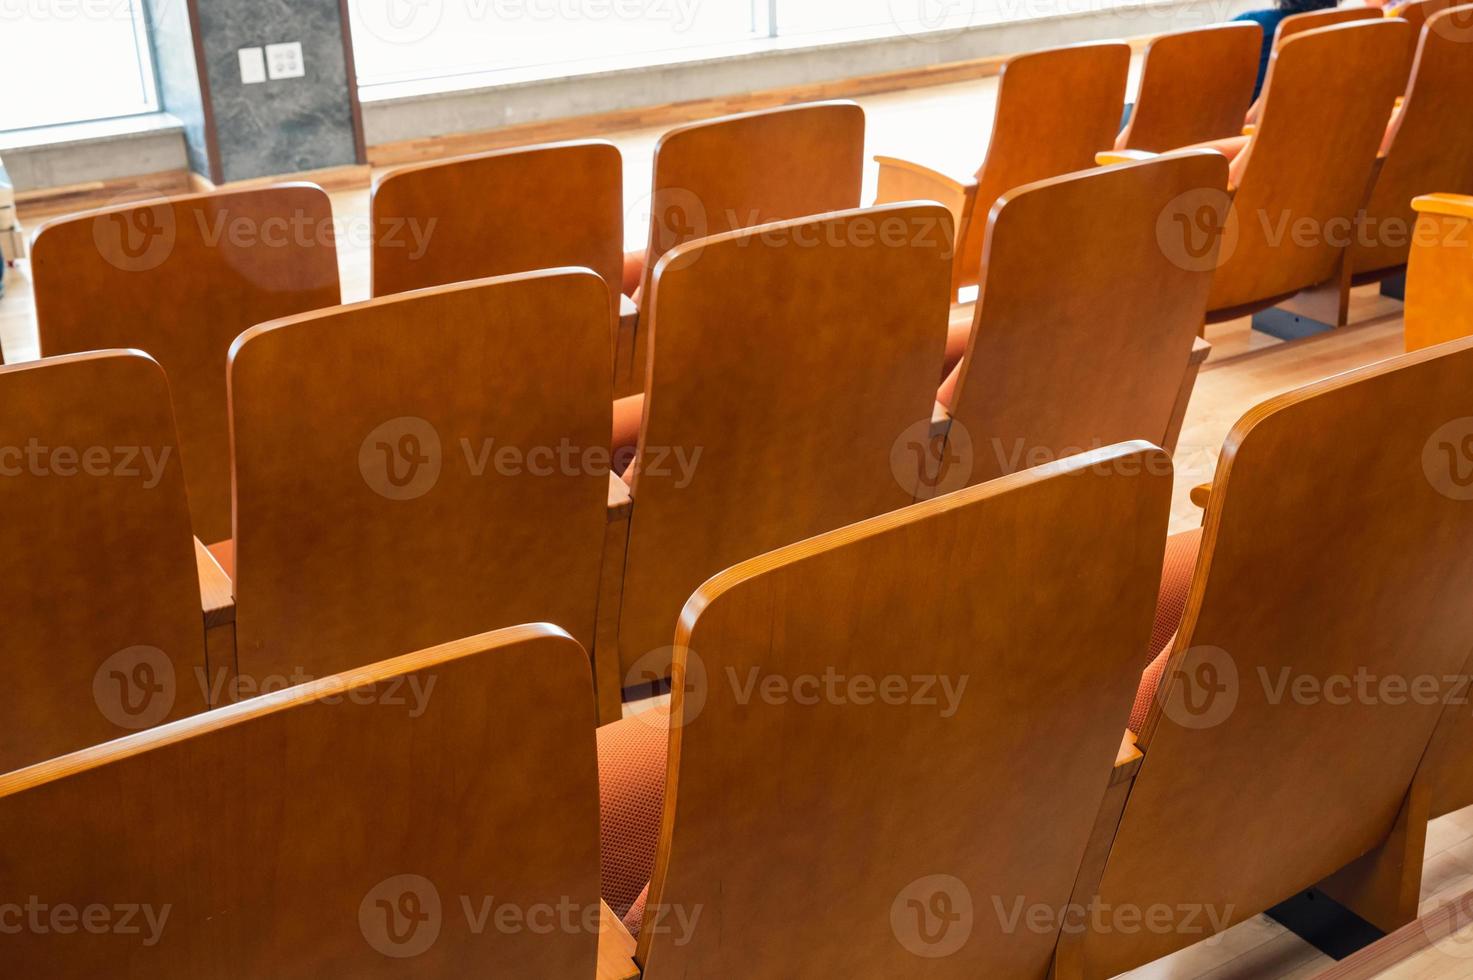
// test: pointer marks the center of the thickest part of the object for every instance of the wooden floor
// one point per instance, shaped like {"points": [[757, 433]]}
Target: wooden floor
{"points": [[1244, 369]]}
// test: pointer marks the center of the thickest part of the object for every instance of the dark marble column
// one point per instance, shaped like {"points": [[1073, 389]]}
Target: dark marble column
{"points": [[236, 131]]}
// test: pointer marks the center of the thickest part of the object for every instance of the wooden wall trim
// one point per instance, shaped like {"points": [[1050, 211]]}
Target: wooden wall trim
{"points": [[1448, 918]]}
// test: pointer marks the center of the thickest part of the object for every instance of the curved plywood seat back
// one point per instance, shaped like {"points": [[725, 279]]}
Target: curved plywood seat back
{"points": [[749, 169], [1312, 20], [1055, 110], [789, 363], [1417, 14], [380, 813], [1431, 148], [180, 279], [1439, 293], [1024, 605], [101, 606], [1326, 102], [1058, 366], [1312, 589], [1195, 86], [418, 468], [493, 214]]}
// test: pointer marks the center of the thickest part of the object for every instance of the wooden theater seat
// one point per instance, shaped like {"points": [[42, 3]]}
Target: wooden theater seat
{"points": [[790, 365], [1284, 742], [1195, 86], [875, 828], [1439, 303], [1055, 109], [419, 467], [1310, 20], [101, 609], [1058, 365], [736, 172], [376, 824], [539, 207], [1302, 175], [179, 279], [1428, 148]]}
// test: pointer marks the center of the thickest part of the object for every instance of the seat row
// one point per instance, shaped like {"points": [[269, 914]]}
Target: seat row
{"points": [[435, 464], [891, 747]]}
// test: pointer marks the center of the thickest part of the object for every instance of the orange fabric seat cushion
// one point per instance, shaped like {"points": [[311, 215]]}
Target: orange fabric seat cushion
{"points": [[628, 412], [1177, 568], [634, 918], [633, 273], [631, 778], [224, 553]]}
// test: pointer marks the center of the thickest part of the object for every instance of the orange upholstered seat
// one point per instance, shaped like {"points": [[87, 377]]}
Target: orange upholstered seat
{"points": [[627, 413], [1176, 581], [631, 793]]}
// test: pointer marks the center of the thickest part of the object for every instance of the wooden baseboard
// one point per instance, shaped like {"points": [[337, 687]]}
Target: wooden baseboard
{"points": [[48, 201], [429, 148], [1437, 926], [353, 176]]}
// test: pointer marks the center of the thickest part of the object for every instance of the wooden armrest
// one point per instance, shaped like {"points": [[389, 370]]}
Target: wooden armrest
{"points": [[1200, 494], [1452, 205], [621, 501], [1200, 349], [902, 180], [1106, 158], [615, 947], [216, 591], [1128, 752]]}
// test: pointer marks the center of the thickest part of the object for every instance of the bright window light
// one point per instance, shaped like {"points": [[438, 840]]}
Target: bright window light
{"points": [[72, 60]]}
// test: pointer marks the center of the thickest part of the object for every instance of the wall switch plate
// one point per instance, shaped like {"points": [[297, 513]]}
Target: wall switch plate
{"points": [[285, 60], [252, 66]]}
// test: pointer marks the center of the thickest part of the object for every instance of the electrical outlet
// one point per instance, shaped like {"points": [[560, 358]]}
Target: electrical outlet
{"points": [[285, 60], [252, 66]]}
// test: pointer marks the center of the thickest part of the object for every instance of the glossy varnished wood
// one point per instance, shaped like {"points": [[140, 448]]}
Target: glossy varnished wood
{"points": [[788, 364], [101, 608], [180, 279], [1195, 86], [1285, 591], [1429, 147], [827, 830], [305, 834], [517, 210], [1055, 109], [1304, 174], [1439, 293], [375, 512], [1058, 365]]}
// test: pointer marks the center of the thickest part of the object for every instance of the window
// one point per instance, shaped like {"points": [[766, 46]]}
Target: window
{"points": [[73, 60], [396, 40]]}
